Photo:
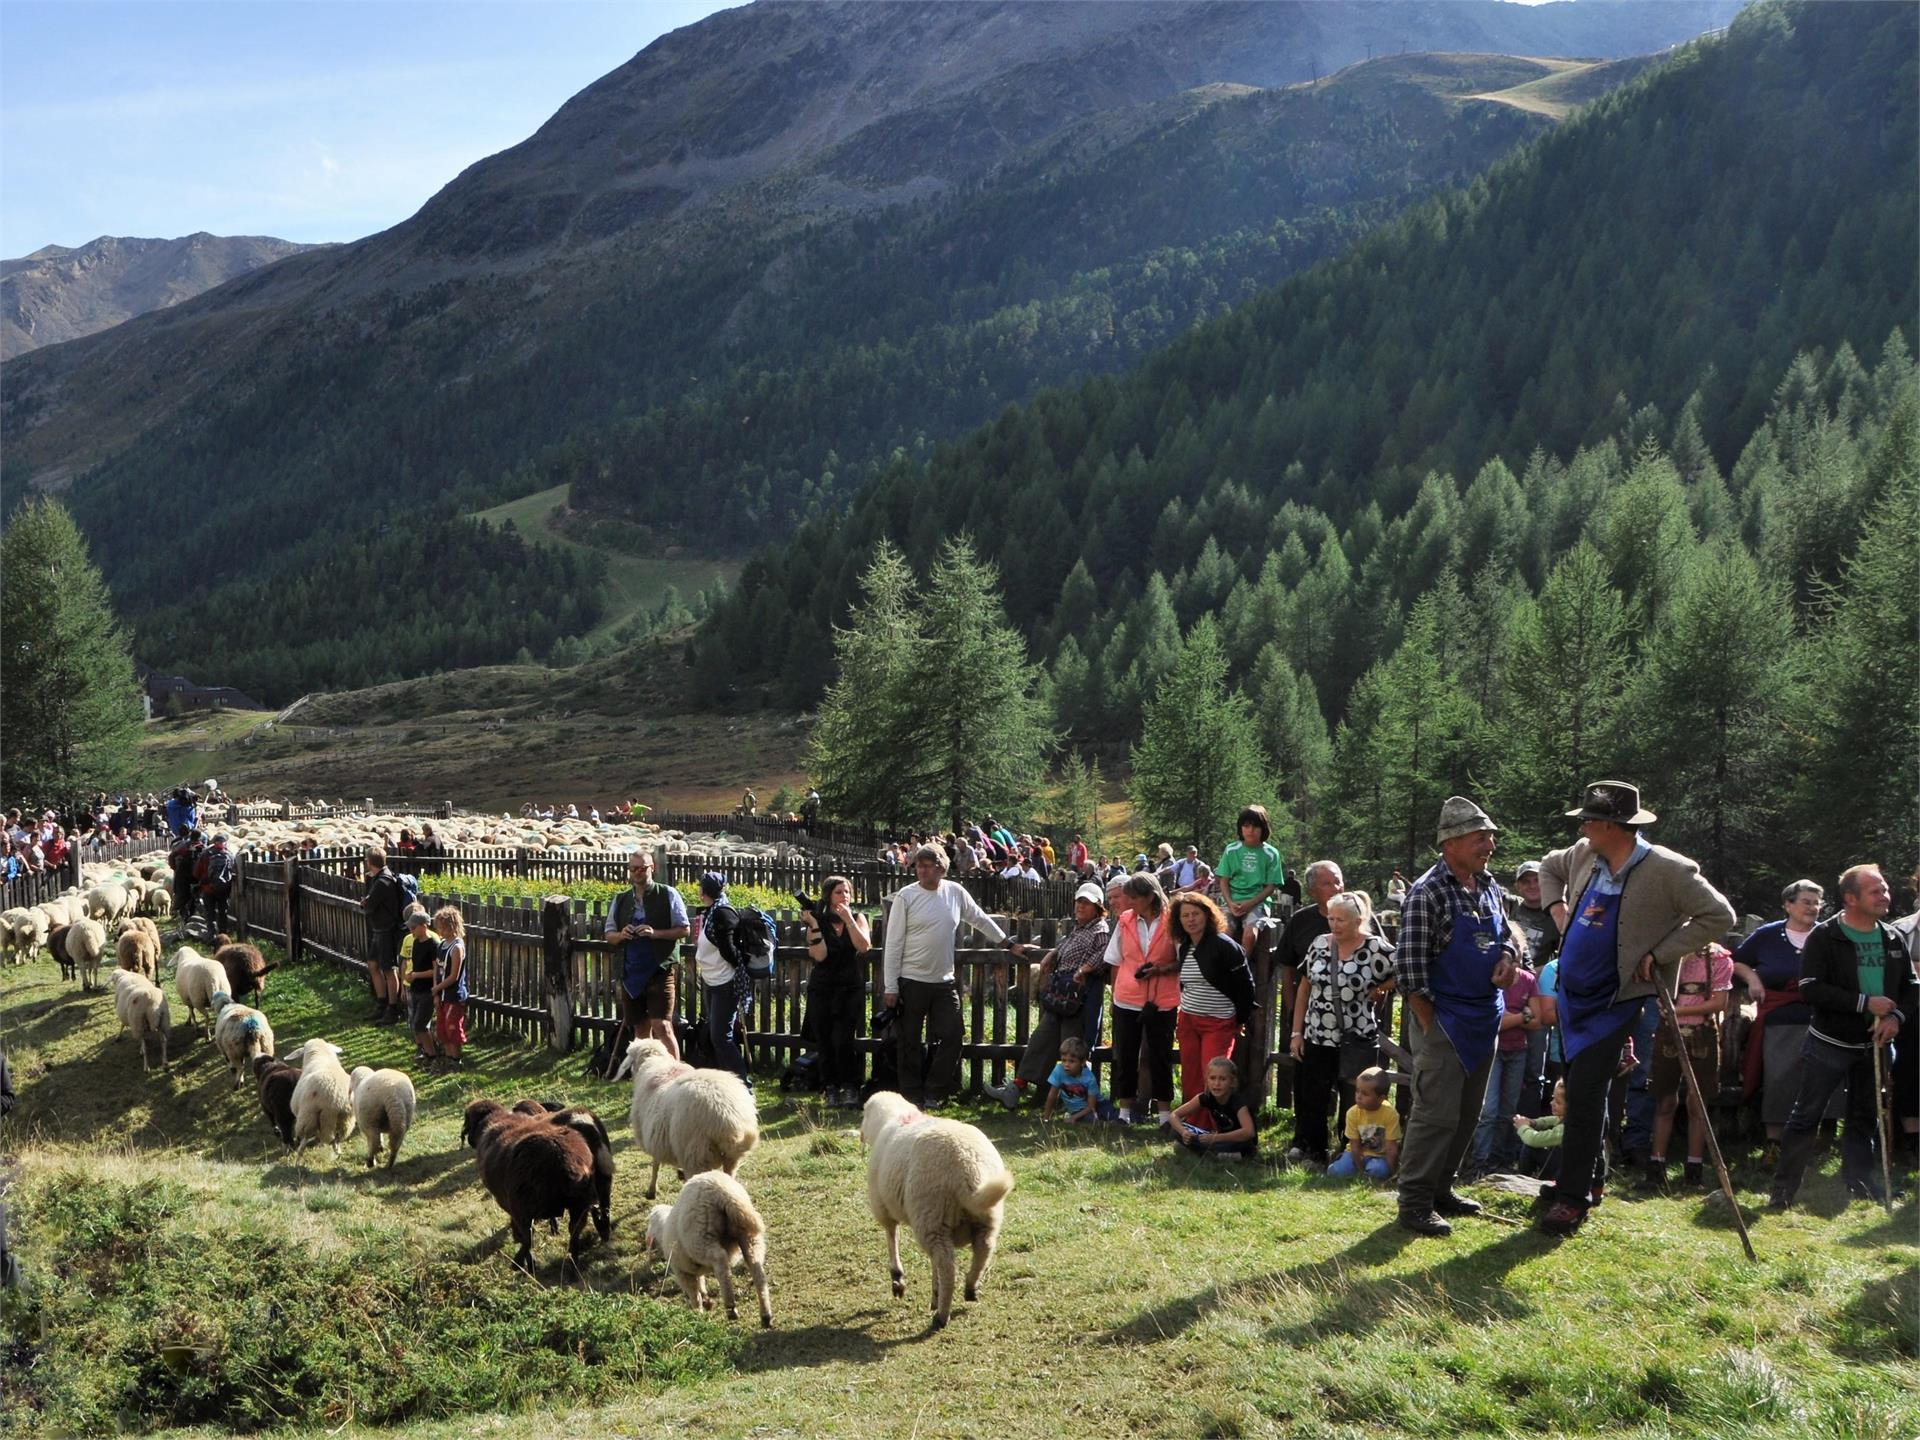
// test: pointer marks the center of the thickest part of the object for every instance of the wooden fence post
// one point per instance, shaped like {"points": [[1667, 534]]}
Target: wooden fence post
{"points": [[556, 939], [292, 902], [522, 861]]}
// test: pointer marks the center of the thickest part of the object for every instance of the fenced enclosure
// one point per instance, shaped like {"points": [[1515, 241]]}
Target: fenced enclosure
{"points": [[542, 971], [31, 887]]}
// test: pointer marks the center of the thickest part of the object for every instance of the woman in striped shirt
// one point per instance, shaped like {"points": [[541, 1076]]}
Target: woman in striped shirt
{"points": [[1216, 988]]}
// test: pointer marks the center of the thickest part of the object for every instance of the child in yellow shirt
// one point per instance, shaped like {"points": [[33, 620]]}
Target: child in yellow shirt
{"points": [[1373, 1130]]}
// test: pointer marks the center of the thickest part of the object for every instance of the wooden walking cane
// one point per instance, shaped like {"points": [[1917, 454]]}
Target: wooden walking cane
{"points": [[1880, 1123], [1697, 1109]]}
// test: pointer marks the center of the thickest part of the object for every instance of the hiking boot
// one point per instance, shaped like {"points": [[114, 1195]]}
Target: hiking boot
{"points": [[1428, 1223], [1454, 1205], [1692, 1173], [1560, 1218], [1007, 1094], [1654, 1175]]}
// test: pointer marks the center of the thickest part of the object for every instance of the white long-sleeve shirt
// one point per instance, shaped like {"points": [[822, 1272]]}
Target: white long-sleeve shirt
{"points": [[921, 927]]}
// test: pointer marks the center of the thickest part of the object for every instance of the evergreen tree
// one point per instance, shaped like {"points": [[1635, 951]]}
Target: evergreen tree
{"points": [[1073, 807], [857, 754], [1293, 734], [70, 710], [1198, 761]]}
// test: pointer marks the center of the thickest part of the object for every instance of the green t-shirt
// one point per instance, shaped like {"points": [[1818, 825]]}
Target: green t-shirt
{"points": [[1871, 953], [1246, 869]]}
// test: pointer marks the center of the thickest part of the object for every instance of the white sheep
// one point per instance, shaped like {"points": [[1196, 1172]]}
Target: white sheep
{"points": [[690, 1119], [30, 934], [383, 1103], [323, 1100], [109, 902], [141, 1007], [159, 903], [706, 1231], [86, 941], [198, 980], [941, 1177], [11, 934], [137, 947], [241, 1034]]}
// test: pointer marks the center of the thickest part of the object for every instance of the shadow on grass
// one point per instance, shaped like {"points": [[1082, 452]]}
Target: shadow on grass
{"points": [[59, 1019], [1880, 1323], [1902, 1227], [849, 1343]]}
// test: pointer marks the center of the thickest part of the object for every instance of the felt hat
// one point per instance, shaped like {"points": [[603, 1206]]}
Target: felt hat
{"points": [[1613, 800], [1460, 816]]}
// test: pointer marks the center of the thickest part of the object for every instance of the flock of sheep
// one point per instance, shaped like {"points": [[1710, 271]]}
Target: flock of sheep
{"points": [[540, 1161]]}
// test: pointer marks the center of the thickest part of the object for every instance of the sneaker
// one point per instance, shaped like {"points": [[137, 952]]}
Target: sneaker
{"points": [[1560, 1218], [1425, 1223], [1007, 1094], [1454, 1205]]}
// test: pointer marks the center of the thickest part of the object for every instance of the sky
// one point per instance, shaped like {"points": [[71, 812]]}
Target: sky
{"points": [[305, 119]]}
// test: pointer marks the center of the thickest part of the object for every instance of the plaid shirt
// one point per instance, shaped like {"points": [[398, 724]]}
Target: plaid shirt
{"points": [[1426, 921]]}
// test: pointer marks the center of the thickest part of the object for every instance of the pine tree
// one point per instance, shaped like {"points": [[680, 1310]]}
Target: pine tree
{"points": [[1293, 734], [857, 754], [70, 711], [1198, 760], [1073, 806]]}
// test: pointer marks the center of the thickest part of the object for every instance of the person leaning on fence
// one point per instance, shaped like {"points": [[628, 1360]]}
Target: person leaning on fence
{"points": [[1335, 1031], [1068, 988], [1216, 988], [381, 904], [1859, 981], [1453, 960], [1249, 871], [1146, 995], [726, 990], [1627, 911], [837, 939], [923, 921], [647, 923]]}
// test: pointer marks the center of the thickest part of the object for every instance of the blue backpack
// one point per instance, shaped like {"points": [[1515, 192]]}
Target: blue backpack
{"points": [[753, 941]]}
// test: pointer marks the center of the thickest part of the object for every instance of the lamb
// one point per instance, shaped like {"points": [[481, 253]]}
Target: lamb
{"points": [[83, 943], [138, 948], [198, 980], [242, 1035], [691, 1119], [142, 1008], [535, 1170], [589, 1127], [275, 1080], [383, 1103], [711, 1226], [246, 969], [323, 1100], [943, 1178]]}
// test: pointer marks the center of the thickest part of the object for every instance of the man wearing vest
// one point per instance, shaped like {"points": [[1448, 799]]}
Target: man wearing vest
{"points": [[1454, 958], [1628, 913], [1859, 984], [648, 922]]}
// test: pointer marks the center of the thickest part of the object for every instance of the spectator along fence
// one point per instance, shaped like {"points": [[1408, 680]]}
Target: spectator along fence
{"points": [[33, 886], [540, 969]]}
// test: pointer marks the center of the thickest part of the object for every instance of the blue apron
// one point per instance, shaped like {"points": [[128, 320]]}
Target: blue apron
{"points": [[1590, 975], [1461, 983]]}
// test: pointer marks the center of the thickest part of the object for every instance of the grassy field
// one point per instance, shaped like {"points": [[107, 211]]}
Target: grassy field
{"points": [[1135, 1292], [634, 582]]}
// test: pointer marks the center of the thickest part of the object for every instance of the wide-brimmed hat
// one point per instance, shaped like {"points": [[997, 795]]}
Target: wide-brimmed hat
{"points": [[1092, 894], [1613, 800], [1460, 816]]}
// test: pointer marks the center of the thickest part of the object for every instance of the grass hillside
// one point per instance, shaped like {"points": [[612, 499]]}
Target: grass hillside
{"points": [[1566, 84], [1134, 1293]]}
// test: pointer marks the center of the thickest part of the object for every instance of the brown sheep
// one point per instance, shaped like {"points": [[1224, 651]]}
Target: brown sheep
{"points": [[276, 1079], [57, 944], [535, 1170], [246, 969], [589, 1127]]}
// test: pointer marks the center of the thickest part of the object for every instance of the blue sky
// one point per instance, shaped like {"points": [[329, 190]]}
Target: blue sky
{"points": [[306, 119]]}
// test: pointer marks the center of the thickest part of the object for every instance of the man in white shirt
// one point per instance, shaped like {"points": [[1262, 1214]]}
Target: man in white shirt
{"points": [[923, 921]]}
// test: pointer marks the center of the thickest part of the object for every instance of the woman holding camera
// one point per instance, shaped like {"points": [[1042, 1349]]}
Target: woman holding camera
{"points": [[837, 938]]}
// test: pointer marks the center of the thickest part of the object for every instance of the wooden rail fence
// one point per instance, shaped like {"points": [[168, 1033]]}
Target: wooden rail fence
{"points": [[542, 971]]}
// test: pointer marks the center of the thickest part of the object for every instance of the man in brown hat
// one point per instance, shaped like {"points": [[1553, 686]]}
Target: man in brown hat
{"points": [[1628, 913], [1455, 955]]}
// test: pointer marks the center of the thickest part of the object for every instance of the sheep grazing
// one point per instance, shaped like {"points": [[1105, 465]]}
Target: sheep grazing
{"points": [[246, 970], [158, 904], [706, 1231], [590, 1128], [243, 1036], [943, 1178], [276, 1080], [690, 1119], [383, 1103], [84, 942], [141, 1006], [323, 1099], [138, 948], [109, 902], [535, 1170], [198, 980]]}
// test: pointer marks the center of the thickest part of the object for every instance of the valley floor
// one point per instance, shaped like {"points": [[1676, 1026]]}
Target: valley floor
{"points": [[1135, 1293]]}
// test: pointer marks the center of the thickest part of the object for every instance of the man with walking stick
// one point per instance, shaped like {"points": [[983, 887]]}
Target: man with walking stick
{"points": [[1859, 983], [1628, 911]]}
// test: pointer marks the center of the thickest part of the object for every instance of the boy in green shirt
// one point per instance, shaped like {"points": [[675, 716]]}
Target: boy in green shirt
{"points": [[1250, 871]]}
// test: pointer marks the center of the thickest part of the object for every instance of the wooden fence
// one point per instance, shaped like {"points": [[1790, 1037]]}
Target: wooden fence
{"points": [[542, 971]]}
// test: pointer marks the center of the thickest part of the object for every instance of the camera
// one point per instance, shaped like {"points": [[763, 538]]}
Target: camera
{"points": [[1143, 971]]}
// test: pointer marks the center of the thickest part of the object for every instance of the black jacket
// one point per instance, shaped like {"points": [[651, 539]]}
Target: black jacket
{"points": [[1830, 981], [1224, 966], [382, 903]]}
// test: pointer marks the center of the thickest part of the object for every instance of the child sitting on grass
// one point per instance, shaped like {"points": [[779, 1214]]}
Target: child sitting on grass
{"points": [[1073, 1085], [1545, 1132], [1217, 1121], [422, 963], [450, 988], [1373, 1130]]}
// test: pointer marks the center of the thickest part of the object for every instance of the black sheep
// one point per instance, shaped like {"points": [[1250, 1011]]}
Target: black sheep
{"points": [[535, 1170], [588, 1127], [276, 1079]]}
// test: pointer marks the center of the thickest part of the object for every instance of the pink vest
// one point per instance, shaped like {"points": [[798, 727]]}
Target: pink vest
{"points": [[1160, 991]]}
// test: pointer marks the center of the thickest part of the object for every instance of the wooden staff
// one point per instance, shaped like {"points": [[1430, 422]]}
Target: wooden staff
{"points": [[1880, 1122], [1697, 1109]]}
